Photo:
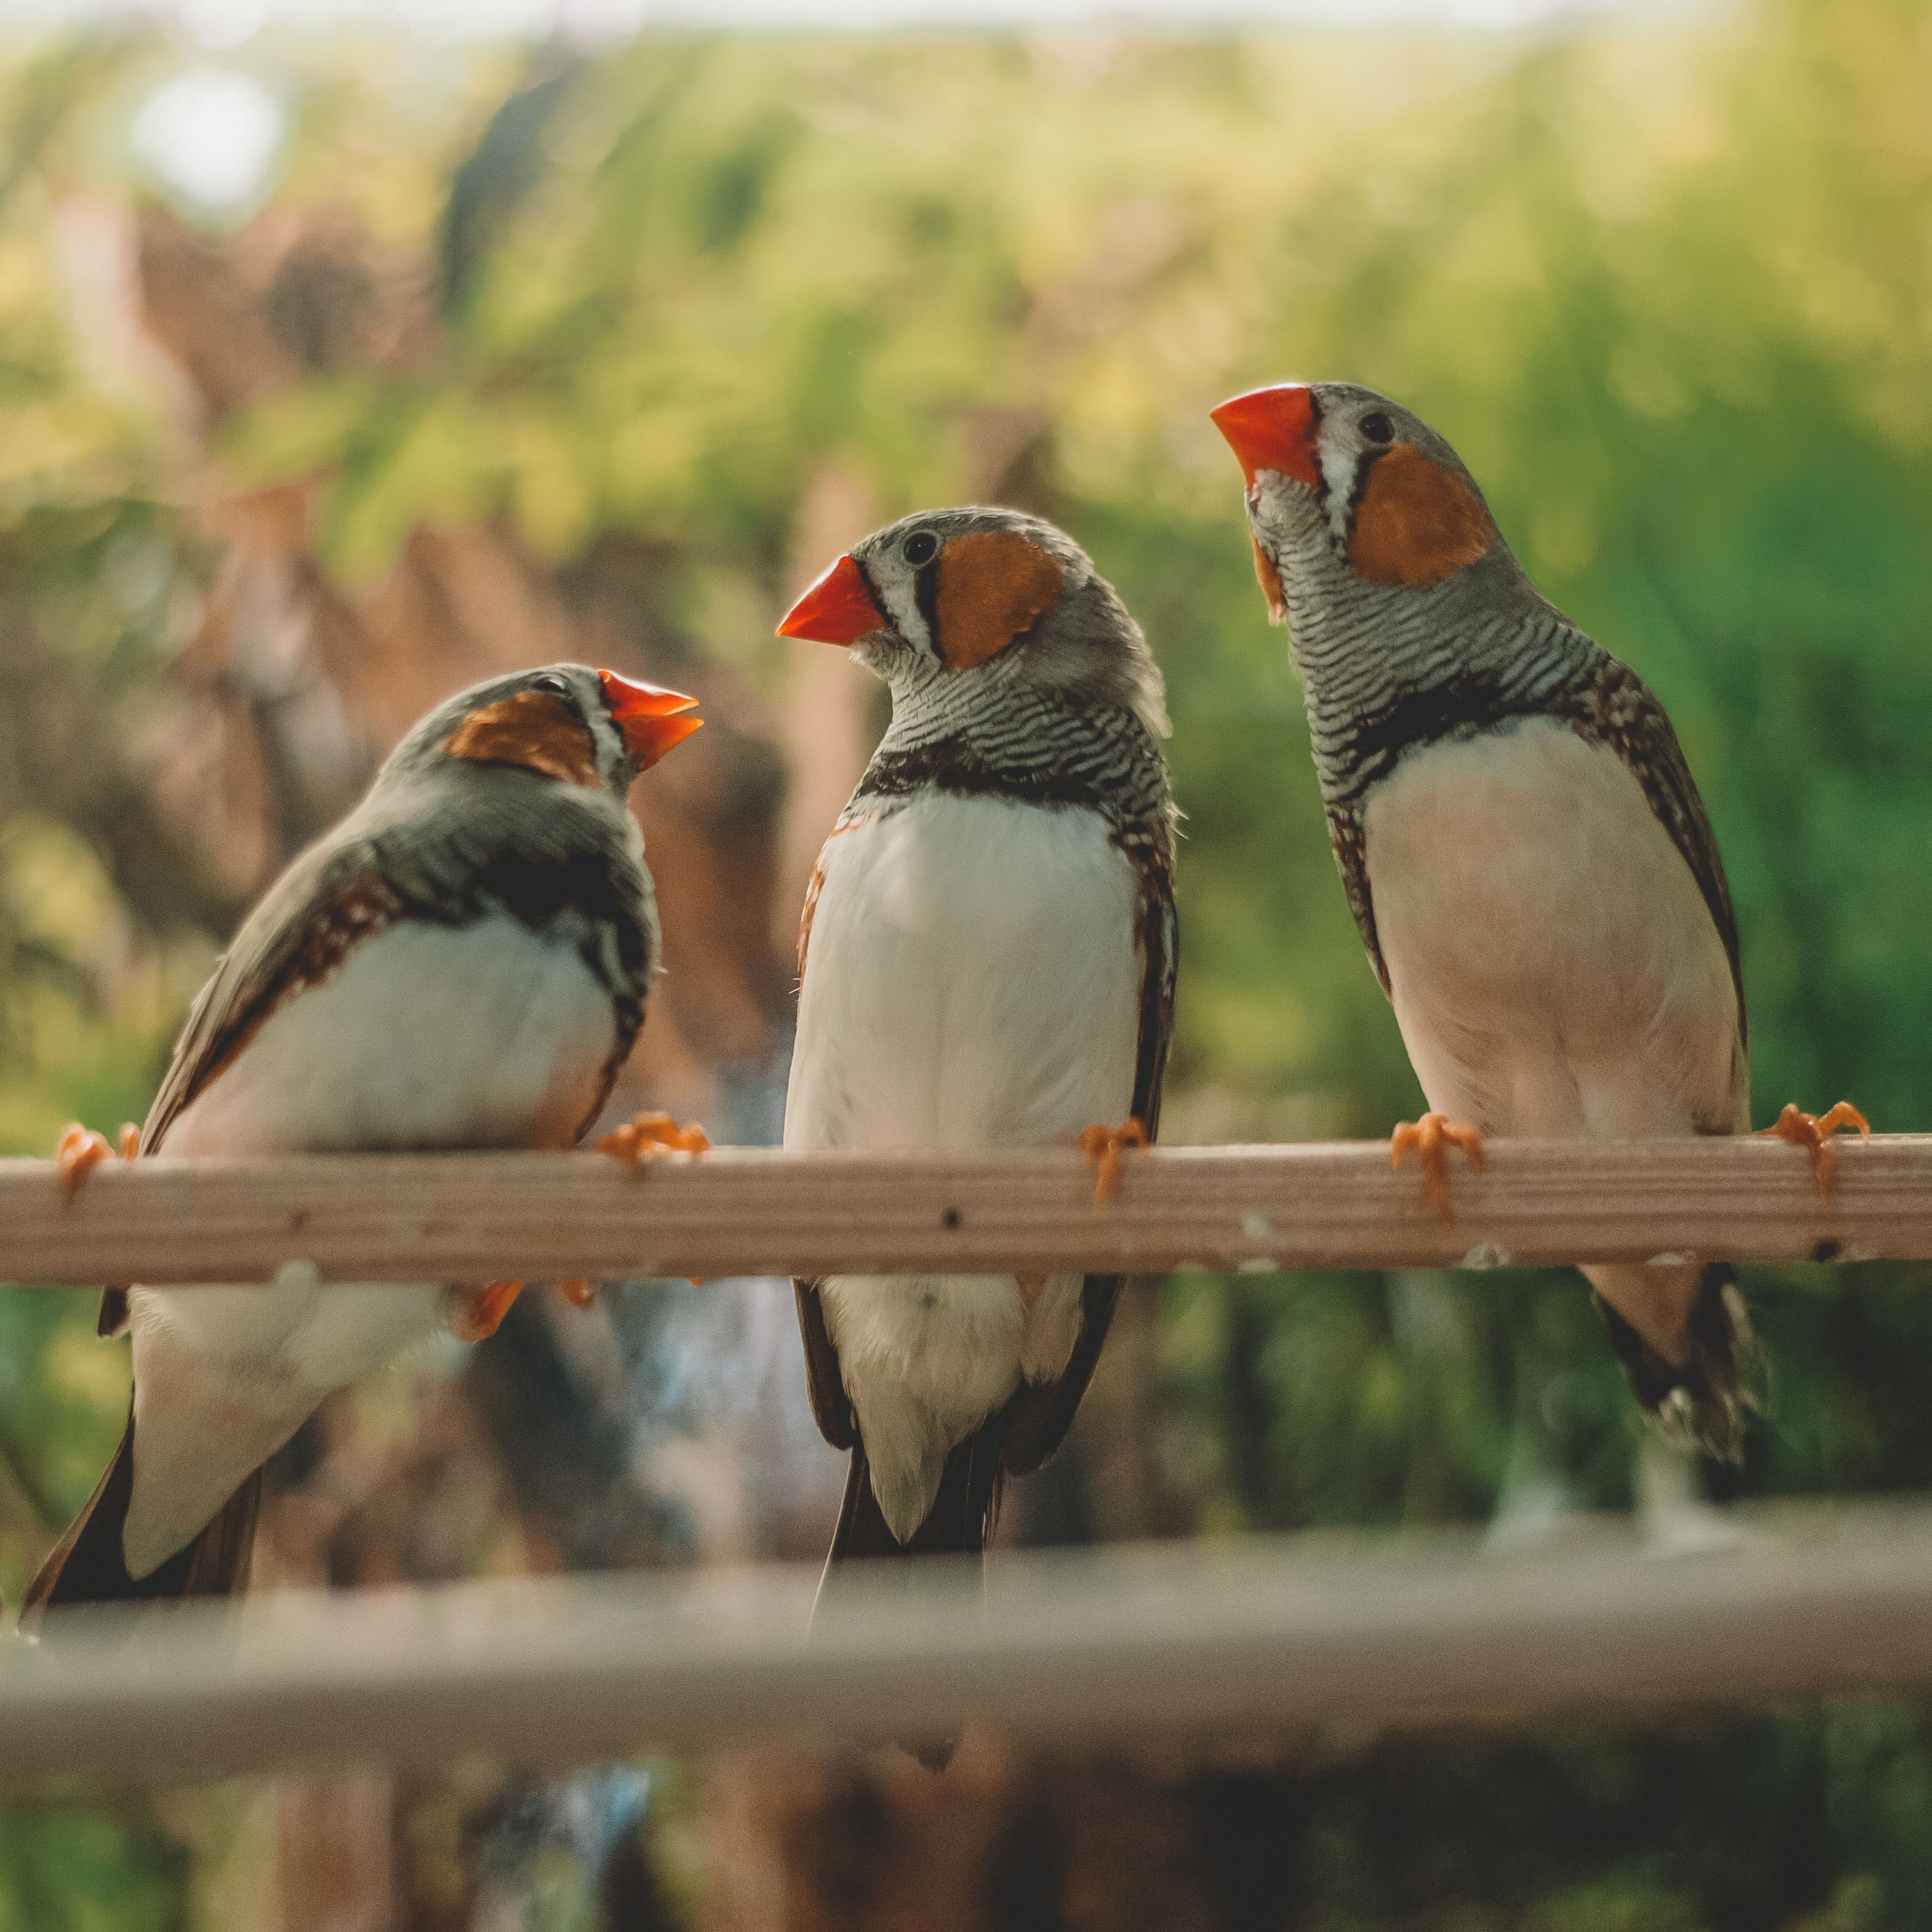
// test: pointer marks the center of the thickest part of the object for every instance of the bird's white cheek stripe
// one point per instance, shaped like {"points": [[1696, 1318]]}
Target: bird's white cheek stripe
{"points": [[895, 591], [1338, 477]]}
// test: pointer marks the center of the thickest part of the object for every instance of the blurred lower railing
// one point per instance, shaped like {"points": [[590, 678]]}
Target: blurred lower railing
{"points": [[1205, 1642], [481, 1217], [1194, 1648]]}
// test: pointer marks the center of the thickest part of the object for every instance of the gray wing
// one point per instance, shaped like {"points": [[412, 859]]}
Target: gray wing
{"points": [[1625, 715], [328, 899], [1349, 844], [824, 1382], [534, 855]]}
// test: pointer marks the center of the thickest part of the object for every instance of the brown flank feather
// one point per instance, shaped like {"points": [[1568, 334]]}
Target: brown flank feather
{"points": [[1417, 522], [816, 884]]}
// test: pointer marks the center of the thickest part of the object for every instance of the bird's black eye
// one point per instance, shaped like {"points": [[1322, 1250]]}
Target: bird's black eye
{"points": [[921, 547], [550, 681], [1376, 427]]}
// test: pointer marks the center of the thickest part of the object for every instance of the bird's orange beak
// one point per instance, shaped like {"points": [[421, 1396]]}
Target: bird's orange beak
{"points": [[837, 610], [1272, 429], [651, 717]]}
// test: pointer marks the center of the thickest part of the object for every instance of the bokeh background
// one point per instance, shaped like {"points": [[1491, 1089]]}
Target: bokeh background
{"points": [[343, 360]]}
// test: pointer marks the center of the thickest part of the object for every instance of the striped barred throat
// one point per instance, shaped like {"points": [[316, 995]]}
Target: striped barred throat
{"points": [[994, 732], [1387, 668]]}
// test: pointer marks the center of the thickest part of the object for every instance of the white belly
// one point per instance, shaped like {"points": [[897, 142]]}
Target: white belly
{"points": [[485, 1035], [429, 1036], [1554, 967], [973, 981]]}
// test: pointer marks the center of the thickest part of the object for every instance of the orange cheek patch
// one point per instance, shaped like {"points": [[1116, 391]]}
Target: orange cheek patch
{"points": [[534, 730], [1270, 581], [1417, 524], [992, 585]]}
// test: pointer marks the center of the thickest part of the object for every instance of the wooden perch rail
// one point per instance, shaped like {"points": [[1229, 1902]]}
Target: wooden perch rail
{"points": [[465, 1217], [1190, 1642]]}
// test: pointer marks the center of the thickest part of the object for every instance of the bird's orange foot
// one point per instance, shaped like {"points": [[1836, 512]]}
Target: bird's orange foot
{"points": [[578, 1292], [1103, 1147], [1430, 1137], [478, 1308], [649, 1136], [81, 1150], [1814, 1132]]}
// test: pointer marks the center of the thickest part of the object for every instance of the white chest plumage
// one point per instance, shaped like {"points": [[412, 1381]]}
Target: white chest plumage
{"points": [[972, 980], [1553, 965], [428, 1036], [484, 1035]]}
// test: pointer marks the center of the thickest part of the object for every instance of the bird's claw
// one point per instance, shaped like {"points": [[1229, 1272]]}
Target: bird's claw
{"points": [[1103, 1147], [479, 1308], [1814, 1132], [1430, 1136], [649, 1136], [646, 1137], [81, 1150]]}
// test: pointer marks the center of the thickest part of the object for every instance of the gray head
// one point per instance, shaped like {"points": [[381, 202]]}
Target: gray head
{"points": [[564, 723], [982, 597], [1351, 489], [1403, 600]]}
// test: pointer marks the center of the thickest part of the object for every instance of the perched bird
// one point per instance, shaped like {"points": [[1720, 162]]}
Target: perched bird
{"points": [[986, 959], [1523, 844], [463, 962]]}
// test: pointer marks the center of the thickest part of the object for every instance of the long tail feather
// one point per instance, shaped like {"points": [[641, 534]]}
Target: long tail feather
{"points": [[1705, 1403], [89, 1564], [958, 1525]]}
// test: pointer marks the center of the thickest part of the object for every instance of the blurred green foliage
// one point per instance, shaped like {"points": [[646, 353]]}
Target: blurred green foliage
{"points": [[1666, 287]]}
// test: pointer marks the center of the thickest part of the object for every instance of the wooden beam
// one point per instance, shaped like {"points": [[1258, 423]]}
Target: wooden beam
{"points": [[475, 1217], [1202, 1643]]}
